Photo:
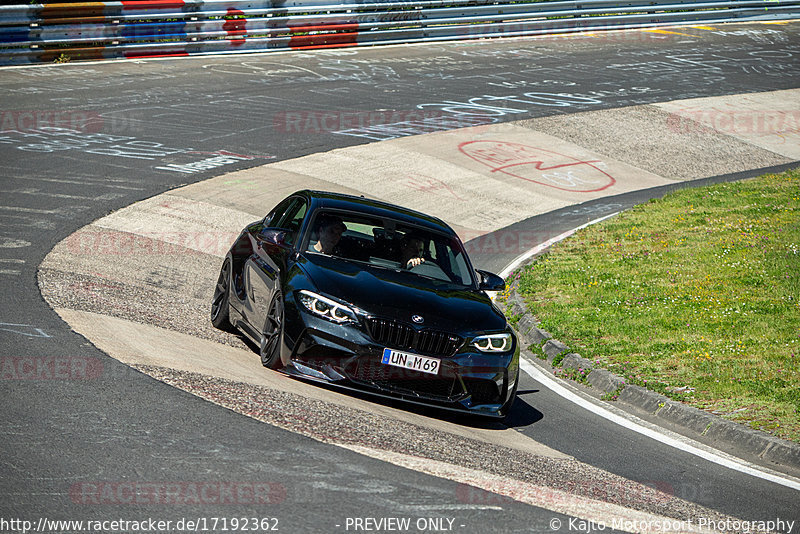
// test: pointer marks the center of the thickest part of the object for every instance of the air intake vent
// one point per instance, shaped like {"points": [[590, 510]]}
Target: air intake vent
{"points": [[405, 381]]}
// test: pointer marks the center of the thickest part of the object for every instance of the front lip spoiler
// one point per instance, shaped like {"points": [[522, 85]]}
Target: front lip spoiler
{"points": [[346, 385]]}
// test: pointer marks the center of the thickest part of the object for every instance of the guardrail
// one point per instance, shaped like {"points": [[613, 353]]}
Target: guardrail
{"points": [[32, 33]]}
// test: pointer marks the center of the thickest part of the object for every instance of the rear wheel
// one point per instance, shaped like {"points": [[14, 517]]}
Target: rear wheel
{"points": [[271, 337], [220, 303]]}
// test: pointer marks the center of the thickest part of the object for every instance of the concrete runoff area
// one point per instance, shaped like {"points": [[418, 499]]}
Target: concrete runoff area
{"points": [[484, 177], [669, 142], [767, 120], [478, 179]]}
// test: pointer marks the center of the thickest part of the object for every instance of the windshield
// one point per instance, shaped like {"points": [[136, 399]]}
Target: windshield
{"points": [[389, 244]]}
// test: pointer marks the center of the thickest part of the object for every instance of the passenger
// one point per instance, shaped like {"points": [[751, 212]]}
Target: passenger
{"points": [[411, 251], [329, 231]]}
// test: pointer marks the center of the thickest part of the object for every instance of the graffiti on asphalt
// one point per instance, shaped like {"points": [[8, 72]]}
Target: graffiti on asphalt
{"points": [[539, 166]]}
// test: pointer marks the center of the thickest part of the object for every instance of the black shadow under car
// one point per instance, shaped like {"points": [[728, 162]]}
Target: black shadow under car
{"points": [[370, 296]]}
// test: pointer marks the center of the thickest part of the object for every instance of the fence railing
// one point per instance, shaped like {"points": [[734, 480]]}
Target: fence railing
{"points": [[31, 33]]}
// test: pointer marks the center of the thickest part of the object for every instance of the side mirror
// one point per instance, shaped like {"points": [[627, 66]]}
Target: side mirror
{"points": [[272, 236], [490, 281]]}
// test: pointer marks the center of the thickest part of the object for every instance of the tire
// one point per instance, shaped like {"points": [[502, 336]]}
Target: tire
{"points": [[271, 337], [220, 304]]}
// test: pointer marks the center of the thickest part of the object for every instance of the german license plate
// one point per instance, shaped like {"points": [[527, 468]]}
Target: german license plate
{"points": [[411, 361]]}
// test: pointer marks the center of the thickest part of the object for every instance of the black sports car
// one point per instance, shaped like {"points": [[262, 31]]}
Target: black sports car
{"points": [[371, 296]]}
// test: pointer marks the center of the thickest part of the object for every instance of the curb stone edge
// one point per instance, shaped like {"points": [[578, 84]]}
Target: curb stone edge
{"points": [[692, 421]]}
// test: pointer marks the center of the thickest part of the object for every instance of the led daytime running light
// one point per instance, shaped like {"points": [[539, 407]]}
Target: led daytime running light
{"points": [[327, 308], [493, 342]]}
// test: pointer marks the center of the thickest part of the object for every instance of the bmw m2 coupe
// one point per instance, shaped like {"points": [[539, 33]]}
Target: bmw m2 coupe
{"points": [[366, 295]]}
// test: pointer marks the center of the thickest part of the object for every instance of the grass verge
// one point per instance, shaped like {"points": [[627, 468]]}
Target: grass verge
{"points": [[695, 296]]}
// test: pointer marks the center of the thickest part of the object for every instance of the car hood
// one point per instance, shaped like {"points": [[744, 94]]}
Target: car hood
{"points": [[400, 295]]}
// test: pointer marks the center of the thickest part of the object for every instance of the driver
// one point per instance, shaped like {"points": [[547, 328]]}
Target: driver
{"points": [[411, 251], [329, 229]]}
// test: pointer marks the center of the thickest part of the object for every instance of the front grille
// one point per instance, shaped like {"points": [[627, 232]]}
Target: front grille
{"points": [[482, 391], [373, 372], [397, 335]]}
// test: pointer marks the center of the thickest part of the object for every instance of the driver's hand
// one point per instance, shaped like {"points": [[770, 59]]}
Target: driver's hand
{"points": [[413, 262]]}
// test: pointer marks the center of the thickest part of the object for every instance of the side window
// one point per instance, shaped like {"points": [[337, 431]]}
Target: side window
{"points": [[292, 219], [431, 250], [271, 220], [458, 266]]}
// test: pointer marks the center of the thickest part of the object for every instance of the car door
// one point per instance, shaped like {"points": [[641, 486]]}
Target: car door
{"points": [[269, 259], [244, 302]]}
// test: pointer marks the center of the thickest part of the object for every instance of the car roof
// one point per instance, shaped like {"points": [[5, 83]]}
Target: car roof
{"points": [[369, 206]]}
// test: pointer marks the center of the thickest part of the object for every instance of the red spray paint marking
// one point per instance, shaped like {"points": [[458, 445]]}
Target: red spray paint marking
{"points": [[429, 184], [540, 166], [227, 153]]}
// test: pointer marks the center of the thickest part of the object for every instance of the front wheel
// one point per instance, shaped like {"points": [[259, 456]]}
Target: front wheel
{"points": [[220, 307], [270, 348]]}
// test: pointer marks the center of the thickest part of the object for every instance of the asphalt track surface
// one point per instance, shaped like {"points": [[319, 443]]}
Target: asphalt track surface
{"points": [[144, 117]]}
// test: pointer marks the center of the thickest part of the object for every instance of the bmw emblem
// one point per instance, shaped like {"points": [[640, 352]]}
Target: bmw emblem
{"points": [[417, 319]]}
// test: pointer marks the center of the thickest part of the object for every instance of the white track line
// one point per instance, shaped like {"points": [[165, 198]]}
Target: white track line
{"points": [[547, 244], [730, 462], [686, 445]]}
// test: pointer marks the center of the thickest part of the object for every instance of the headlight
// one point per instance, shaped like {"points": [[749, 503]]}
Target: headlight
{"points": [[327, 308], [493, 342]]}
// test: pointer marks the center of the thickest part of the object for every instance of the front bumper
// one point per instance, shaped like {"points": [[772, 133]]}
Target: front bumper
{"points": [[347, 356]]}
